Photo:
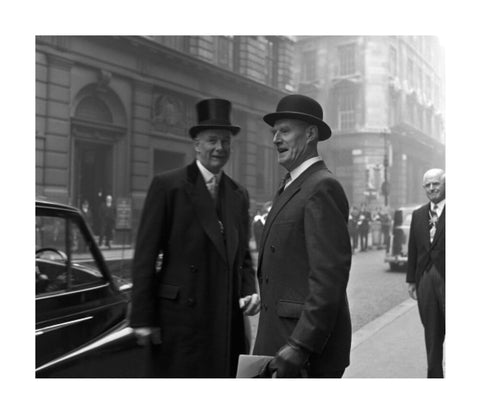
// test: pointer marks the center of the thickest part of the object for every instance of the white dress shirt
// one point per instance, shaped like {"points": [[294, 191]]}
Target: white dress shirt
{"points": [[295, 173]]}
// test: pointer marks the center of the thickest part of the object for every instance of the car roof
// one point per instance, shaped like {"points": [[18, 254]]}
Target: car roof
{"points": [[55, 205]]}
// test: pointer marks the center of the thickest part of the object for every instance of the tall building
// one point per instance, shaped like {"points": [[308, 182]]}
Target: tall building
{"points": [[384, 99], [113, 111]]}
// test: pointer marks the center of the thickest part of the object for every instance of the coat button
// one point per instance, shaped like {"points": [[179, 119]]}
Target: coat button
{"points": [[266, 279], [190, 302], [272, 248], [193, 268]]}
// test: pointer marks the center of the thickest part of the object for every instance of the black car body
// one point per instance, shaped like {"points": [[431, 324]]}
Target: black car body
{"points": [[397, 253], [81, 309]]}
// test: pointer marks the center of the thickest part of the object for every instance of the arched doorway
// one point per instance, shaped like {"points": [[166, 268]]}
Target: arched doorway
{"points": [[98, 130]]}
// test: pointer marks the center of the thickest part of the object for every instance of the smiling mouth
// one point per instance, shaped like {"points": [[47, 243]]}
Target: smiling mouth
{"points": [[282, 150]]}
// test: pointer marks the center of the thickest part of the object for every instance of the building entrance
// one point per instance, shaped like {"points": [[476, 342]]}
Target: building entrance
{"points": [[93, 177]]}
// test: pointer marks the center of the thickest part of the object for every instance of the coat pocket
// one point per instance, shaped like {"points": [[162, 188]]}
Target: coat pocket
{"points": [[168, 291], [289, 309]]}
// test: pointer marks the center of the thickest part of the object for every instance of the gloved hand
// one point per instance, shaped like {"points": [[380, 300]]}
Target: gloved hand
{"points": [[289, 361], [148, 335]]}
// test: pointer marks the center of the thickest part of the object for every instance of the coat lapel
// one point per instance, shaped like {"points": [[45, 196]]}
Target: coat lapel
{"points": [[204, 208], [231, 199], [282, 199]]}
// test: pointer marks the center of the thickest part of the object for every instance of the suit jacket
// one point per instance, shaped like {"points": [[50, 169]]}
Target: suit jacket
{"points": [[421, 253], [194, 296], [304, 264]]}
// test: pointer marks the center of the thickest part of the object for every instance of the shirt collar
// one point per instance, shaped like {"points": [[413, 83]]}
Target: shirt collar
{"points": [[295, 173], [207, 175], [440, 206]]}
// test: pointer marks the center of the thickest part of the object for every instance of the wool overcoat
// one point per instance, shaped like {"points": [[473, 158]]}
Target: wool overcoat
{"points": [[303, 269], [193, 296]]}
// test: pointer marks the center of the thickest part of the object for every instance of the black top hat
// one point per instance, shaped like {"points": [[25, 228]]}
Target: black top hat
{"points": [[213, 114], [303, 108]]}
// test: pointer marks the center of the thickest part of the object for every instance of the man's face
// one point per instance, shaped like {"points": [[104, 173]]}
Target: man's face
{"points": [[290, 139], [212, 147], [434, 185]]}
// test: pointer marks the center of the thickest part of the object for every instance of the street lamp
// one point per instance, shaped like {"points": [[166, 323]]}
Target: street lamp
{"points": [[385, 184]]}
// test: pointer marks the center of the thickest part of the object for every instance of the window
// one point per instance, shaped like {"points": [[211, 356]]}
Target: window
{"points": [[167, 160], [347, 59], [428, 87], [224, 51], [63, 259], [346, 109], [309, 65], [393, 61], [418, 78], [410, 73], [270, 62]]}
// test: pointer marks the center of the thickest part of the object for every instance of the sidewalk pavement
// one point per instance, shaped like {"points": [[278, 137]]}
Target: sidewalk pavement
{"points": [[391, 346]]}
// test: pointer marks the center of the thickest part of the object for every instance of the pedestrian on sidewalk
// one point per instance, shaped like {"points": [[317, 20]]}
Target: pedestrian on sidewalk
{"points": [[191, 313], [364, 226], [107, 216], [426, 267], [305, 253]]}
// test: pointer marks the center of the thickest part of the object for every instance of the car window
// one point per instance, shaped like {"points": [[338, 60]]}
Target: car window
{"points": [[63, 257]]}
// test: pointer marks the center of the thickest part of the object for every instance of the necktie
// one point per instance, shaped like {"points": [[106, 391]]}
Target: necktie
{"points": [[212, 186], [433, 221], [285, 180]]}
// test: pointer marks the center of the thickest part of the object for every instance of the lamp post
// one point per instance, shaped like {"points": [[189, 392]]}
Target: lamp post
{"points": [[385, 185]]}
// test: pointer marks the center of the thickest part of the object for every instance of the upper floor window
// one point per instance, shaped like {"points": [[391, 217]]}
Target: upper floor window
{"points": [[346, 109], [410, 72], [309, 65], [223, 53], [347, 62], [393, 61], [270, 62]]}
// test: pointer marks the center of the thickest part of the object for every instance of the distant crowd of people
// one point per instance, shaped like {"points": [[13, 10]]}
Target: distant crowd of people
{"points": [[364, 224]]}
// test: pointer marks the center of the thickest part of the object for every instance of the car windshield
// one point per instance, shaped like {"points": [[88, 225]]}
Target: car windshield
{"points": [[63, 256]]}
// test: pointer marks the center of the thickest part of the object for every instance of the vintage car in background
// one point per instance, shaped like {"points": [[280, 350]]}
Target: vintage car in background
{"points": [[81, 310], [397, 252]]}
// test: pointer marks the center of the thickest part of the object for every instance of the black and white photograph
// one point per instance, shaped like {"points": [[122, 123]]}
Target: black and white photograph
{"points": [[215, 204]]}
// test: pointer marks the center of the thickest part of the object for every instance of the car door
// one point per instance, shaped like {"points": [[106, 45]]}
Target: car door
{"points": [[76, 301]]}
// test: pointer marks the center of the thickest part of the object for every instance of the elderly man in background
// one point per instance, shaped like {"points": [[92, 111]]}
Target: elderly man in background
{"points": [[426, 267]]}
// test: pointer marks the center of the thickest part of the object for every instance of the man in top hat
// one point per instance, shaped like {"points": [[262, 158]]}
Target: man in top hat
{"points": [[305, 254], [195, 227]]}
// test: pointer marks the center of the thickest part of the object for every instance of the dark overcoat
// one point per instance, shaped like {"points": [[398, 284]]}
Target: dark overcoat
{"points": [[421, 253], [304, 265], [193, 298]]}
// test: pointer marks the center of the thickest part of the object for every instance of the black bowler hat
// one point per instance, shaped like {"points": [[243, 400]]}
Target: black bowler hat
{"points": [[213, 114], [303, 108]]}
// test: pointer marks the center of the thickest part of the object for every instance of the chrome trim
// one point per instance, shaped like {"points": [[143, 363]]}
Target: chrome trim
{"points": [[124, 332], [41, 331], [97, 287]]}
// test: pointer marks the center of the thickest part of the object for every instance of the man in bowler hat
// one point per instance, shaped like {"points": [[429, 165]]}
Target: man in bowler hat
{"points": [[426, 267], [190, 310], [305, 253]]}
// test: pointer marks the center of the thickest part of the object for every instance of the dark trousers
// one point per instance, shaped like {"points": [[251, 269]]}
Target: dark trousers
{"points": [[337, 374], [363, 240], [431, 305]]}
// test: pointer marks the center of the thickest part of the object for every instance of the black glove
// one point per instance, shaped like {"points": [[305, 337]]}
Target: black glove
{"points": [[289, 361]]}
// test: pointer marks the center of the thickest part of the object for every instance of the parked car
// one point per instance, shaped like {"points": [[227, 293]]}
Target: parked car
{"points": [[81, 325], [397, 252]]}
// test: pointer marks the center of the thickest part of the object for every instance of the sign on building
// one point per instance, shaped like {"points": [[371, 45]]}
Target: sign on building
{"points": [[124, 213]]}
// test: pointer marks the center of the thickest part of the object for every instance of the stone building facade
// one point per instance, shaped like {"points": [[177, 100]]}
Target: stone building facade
{"points": [[113, 111], [384, 99]]}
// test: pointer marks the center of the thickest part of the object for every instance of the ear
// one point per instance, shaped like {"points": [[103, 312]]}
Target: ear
{"points": [[196, 143], [312, 133]]}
